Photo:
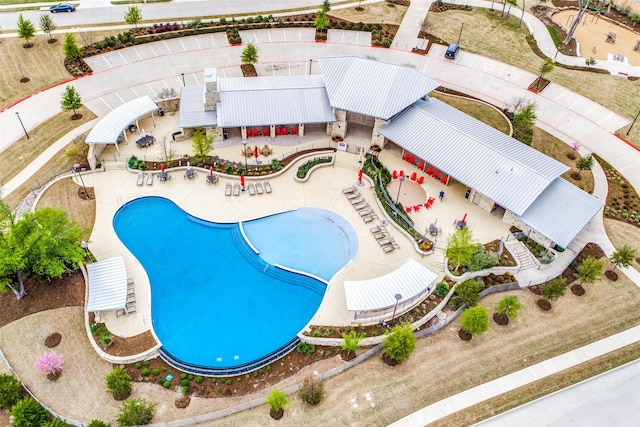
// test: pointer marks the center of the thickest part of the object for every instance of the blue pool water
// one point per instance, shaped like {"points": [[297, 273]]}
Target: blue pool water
{"points": [[214, 302]]}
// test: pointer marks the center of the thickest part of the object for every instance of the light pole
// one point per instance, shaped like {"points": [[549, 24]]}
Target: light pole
{"points": [[76, 168], [183, 83], [245, 156], [630, 127], [398, 297], [460, 35], [22, 124], [401, 178], [84, 245]]}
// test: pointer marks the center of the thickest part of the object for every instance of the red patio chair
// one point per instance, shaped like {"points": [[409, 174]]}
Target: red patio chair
{"points": [[412, 159], [394, 174], [402, 174], [430, 170], [414, 176], [256, 132], [445, 179], [265, 131], [408, 208], [421, 166], [435, 175], [406, 156], [284, 130], [420, 180], [278, 131], [249, 133], [416, 208], [294, 130]]}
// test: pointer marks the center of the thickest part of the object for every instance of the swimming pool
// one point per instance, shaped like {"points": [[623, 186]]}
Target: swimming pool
{"points": [[214, 302]]}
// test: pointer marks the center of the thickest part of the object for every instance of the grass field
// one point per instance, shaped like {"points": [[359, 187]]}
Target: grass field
{"points": [[479, 110]]}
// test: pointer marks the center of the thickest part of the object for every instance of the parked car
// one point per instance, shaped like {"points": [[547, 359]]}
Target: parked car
{"points": [[62, 7], [452, 51]]}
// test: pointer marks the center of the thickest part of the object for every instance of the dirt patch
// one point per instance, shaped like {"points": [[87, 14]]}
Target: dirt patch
{"points": [[543, 304], [390, 361], [464, 335], [53, 340], [182, 401], [248, 70], [577, 290], [500, 319], [611, 275], [536, 289]]}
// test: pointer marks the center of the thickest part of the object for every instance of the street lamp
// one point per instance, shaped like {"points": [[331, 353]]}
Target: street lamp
{"points": [[245, 156], [84, 245], [76, 168], [401, 178], [22, 124], [183, 83], [630, 127], [398, 297]]}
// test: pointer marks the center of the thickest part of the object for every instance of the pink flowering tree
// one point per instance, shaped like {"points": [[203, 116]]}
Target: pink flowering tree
{"points": [[49, 363]]}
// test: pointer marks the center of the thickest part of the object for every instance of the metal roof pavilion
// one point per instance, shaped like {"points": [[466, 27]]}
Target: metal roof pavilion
{"points": [[192, 112], [561, 212], [507, 171], [107, 285], [109, 128], [277, 100], [371, 87]]}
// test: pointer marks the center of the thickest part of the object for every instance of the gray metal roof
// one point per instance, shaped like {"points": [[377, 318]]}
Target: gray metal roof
{"points": [[561, 212], [507, 171], [371, 87], [109, 128], [277, 100], [192, 113], [107, 285]]}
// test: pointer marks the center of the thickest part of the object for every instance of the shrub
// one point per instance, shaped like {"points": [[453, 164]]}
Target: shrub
{"points": [[145, 372], [136, 412], [400, 343], [56, 422], [184, 382], [306, 349], [166, 384], [27, 413], [442, 289], [199, 379], [118, 383], [98, 423], [312, 392], [10, 390], [509, 306], [475, 320], [351, 341], [482, 260], [155, 372], [146, 363], [554, 289], [138, 365], [49, 363], [183, 376], [277, 400], [468, 291]]}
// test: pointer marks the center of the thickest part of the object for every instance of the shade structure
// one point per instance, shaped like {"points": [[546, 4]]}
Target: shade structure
{"points": [[107, 285], [378, 293], [109, 128]]}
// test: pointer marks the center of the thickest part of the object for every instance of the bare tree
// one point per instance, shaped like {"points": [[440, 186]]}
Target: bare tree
{"points": [[87, 38], [167, 150], [582, 9], [425, 26]]}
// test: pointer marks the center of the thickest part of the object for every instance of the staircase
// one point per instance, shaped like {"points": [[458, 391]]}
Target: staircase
{"points": [[114, 166], [436, 260], [346, 165], [522, 255]]}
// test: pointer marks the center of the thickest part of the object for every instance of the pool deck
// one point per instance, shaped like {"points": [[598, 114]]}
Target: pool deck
{"points": [[116, 186]]}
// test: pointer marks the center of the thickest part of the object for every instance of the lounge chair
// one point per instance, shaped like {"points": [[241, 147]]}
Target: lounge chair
{"points": [[379, 236], [361, 205], [140, 178], [350, 190], [353, 195], [357, 200], [368, 219], [385, 241], [377, 229], [267, 187], [259, 188], [390, 248], [252, 189], [149, 178], [227, 190], [236, 189], [365, 212]]}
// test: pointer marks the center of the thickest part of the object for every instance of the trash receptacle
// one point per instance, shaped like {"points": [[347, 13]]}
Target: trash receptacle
{"points": [[161, 112]]}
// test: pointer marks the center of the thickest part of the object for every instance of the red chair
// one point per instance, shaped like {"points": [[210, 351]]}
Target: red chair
{"points": [[430, 170], [278, 131], [294, 130], [420, 180], [265, 131], [445, 180], [256, 132], [406, 156], [416, 208], [421, 166], [402, 174], [414, 176], [408, 208], [394, 174], [435, 175], [284, 130], [412, 159]]}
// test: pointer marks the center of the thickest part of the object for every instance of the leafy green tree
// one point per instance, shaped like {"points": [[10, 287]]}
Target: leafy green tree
{"points": [[277, 399], [400, 343], [523, 122], [585, 163], [351, 341], [98, 423], [133, 16], [590, 270], [623, 257], [509, 306], [554, 289], [322, 21], [136, 412], [70, 46], [47, 25], [71, 100], [56, 422], [202, 143], [28, 413], [475, 320], [26, 30], [461, 246], [326, 6], [118, 383], [10, 390], [312, 391], [249, 54], [469, 292]]}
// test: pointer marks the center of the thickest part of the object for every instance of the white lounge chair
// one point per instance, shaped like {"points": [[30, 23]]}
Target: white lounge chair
{"points": [[252, 189], [140, 178], [259, 188], [227, 189], [149, 178], [353, 195], [267, 187], [236, 189], [350, 189]]}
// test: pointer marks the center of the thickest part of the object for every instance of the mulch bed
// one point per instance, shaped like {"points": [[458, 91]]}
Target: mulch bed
{"points": [[389, 360], [248, 70], [538, 85], [53, 340], [536, 289], [500, 319], [611, 275], [577, 290], [464, 335], [591, 250], [544, 304]]}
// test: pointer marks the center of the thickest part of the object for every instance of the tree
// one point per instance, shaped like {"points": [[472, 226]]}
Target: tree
{"points": [[26, 30], [512, 3], [71, 100], [322, 21], [119, 383], [351, 341], [312, 391], [249, 54], [277, 400], [10, 390], [56, 422], [326, 6], [133, 16], [47, 25], [425, 27], [469, 291], [582, 8], [70, 46], [590, 61], [461, 246], [523, 122], [623, 257], [98, 423], [509, 306], [400, 343], [202, 143], [584, 163], [49, 363], [136, 412], [547, 67], [554, 289], [28, 413], [475, 320], [590, 270]]}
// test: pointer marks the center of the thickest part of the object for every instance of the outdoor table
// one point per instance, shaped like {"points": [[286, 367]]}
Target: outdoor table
{"points": [[190, 173], [162, 176], [212, 179], [145, 141]]}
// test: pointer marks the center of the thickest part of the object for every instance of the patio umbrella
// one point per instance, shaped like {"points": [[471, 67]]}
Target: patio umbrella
{"points": [[464, 218], [188, 166], [360, 175], [242, 180], [211, 170], [255, 152], [162, 167]]}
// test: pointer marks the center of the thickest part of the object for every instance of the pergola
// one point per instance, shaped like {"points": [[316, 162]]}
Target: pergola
{"points": [[107, 285]]}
